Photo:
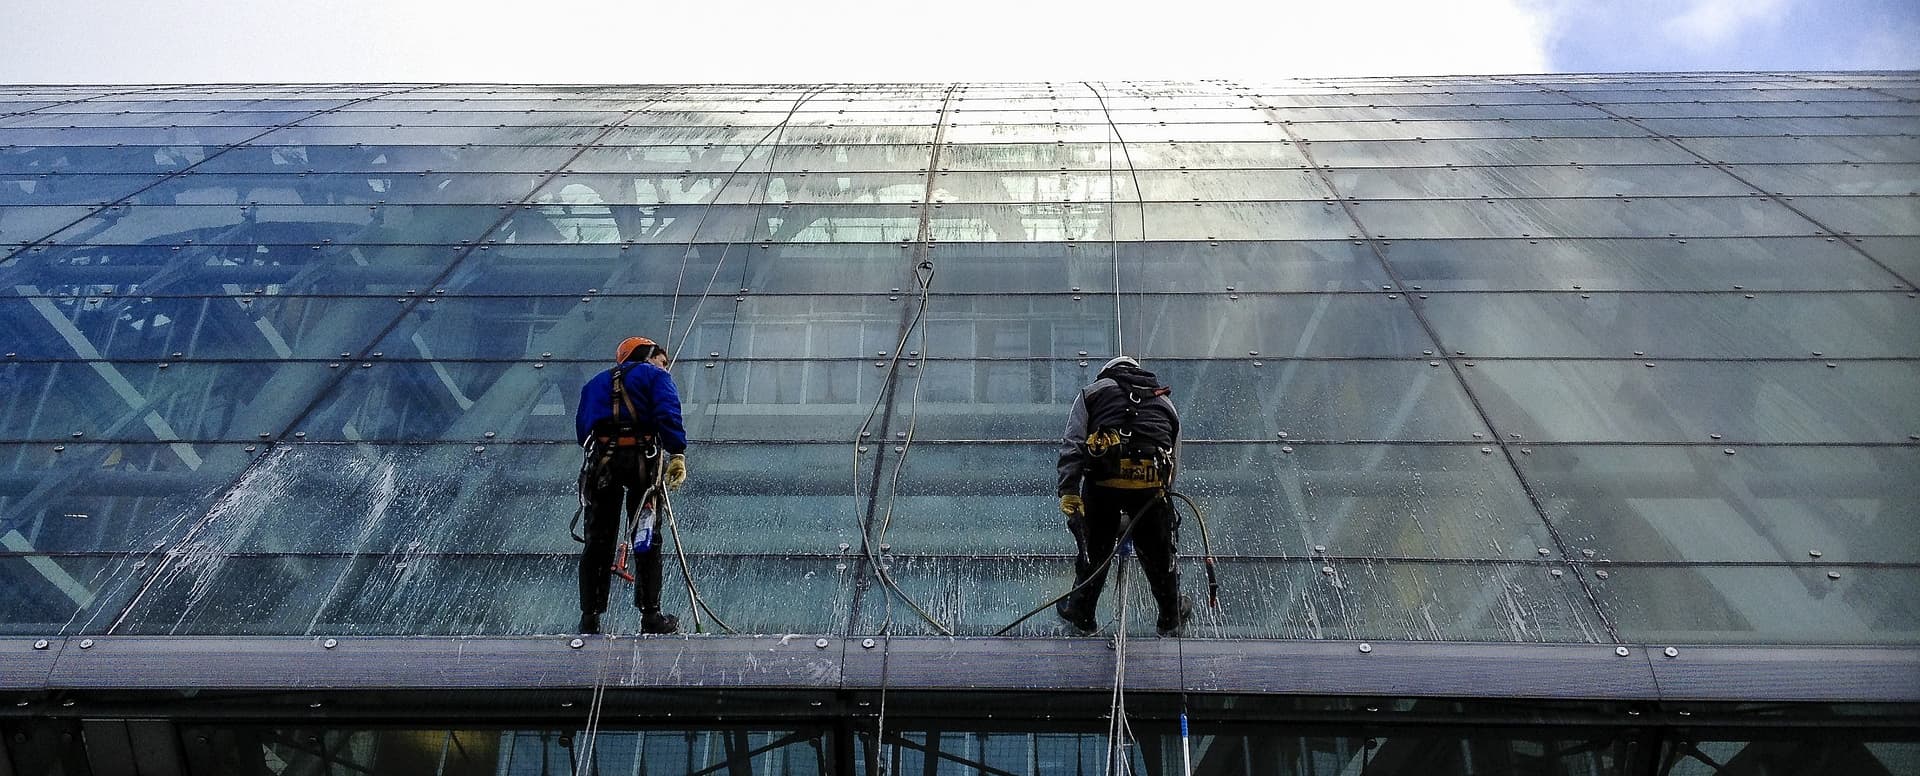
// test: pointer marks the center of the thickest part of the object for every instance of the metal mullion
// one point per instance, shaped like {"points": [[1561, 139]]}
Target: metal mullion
{"points": [[1459, 377]]}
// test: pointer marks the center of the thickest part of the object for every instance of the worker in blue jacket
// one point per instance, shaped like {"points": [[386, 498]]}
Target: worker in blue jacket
{"points": [[629, 423]]}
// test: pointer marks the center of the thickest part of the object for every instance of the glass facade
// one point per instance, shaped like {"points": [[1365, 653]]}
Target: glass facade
{"points": [[1610, 360]]}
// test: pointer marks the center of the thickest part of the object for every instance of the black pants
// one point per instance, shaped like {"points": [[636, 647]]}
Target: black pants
{"points": [[612, 494], [1155, 539]]}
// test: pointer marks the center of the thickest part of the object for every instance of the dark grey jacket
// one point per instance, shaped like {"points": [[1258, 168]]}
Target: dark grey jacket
{"points": [[1101, 405]]}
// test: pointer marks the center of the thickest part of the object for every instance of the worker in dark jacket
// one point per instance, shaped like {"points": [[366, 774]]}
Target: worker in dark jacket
{"points": [[1116, 465], [629, 423]]}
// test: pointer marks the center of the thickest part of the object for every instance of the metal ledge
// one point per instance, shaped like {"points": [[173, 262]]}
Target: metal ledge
{"points": [[1316, 668]]}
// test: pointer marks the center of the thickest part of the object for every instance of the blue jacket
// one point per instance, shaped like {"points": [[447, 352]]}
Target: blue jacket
{"points": [[651, 391]]}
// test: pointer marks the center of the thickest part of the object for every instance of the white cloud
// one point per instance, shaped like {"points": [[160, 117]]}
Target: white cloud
{"points": [[1715, 23], [603, 41]]}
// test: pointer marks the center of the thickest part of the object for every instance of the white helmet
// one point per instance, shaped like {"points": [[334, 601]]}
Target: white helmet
{"points": [[1118, 360]]}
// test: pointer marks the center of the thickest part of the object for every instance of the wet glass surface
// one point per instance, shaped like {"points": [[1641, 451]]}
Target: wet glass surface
{"points": [[1410, 353]]}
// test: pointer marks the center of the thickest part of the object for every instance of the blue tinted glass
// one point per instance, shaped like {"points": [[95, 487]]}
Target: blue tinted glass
{"points": [[231, 327], [1684, 217], [65, 189], [250, 224], [99, 159], [1765, 504], [1726, 325], [227, 269], [1259, 599], [387, 158], [49, 595], [144, 401], [89, 497], [365, 189], [1760, 604], [22, 225], [1311, 400], [1682, 401], [1697, 264], [717, 270]]}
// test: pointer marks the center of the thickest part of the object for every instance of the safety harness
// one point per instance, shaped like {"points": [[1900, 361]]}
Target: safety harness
{"points": [[1121, 459], [618, 433]]}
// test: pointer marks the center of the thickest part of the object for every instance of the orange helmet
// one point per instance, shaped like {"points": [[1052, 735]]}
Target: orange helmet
{"points": [[627, 347]]}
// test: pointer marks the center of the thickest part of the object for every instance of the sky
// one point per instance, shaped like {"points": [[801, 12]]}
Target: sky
{"points": [[734, 41]]}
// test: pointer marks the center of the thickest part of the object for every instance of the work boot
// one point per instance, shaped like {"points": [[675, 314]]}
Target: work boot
{"points": [[1081, 621], [589, 622], [655, 622], [1175, 623]]}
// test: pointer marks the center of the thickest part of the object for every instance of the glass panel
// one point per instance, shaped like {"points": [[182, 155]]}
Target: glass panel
{"points": [[1238, 221], [1767, 504], [126, 136], [232, 269], [1798, 126], [144, 401], [1761, 605], [750, 159], [1230, 184], [239, 327], [1353, 500], [370, 116], [50, 595], [414, 400], [257, 120], [1456, 129], [1434, 153], [406, 593], [1847, 179], [1679, 401], [1761, 150], [568, 328], [1315, 325], [594, 223], [44, 189], [1729, 325], [1901, 254], [1097, 156], [1863, 215], [1308, 400], [1513, 182], [22, 225], [94, 159], [99, 498], [382, 159], [1034, 186], [228, 225], [363, 189], [1626, 264], [1260, 599], [665, 269], [1651, 217], [746, 188], [430, 136]]}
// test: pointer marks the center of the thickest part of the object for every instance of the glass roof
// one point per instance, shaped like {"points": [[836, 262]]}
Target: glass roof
{"points": [[1583, 359]]}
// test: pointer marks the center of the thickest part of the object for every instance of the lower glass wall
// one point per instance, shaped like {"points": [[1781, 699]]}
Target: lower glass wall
{"points": [[855, 745]]}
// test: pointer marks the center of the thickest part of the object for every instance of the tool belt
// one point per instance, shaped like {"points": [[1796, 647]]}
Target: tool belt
{"points": [[1120, 460]]}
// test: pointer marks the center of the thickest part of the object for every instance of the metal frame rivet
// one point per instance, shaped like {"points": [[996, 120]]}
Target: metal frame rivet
{"points": [[1833, 575], [577, 643], [1670, 652], [1813, 553], [1366, 648], [1622, 651], [41, 644], [867, 643], [330, 643], [86, 643], [820, 644]]}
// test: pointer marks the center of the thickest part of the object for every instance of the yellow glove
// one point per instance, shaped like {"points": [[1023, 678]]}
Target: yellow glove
{"points": [[1071, 505], [676, 472]]}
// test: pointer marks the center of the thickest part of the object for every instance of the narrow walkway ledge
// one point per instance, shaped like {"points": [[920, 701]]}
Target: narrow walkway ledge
{"points": [[1321, 668]]}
